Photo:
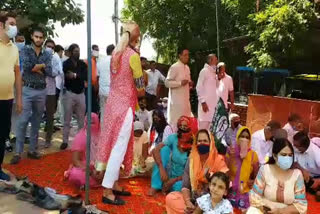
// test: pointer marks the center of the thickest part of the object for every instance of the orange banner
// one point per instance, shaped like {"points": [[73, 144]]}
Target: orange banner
{"points": [[262, 109]]}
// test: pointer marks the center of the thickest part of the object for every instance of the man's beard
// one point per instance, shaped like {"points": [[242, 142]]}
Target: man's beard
{"points": [[38, 46]]}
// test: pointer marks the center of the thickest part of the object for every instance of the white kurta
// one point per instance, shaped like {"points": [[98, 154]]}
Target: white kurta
{"points": [[206, 89], [225, 86], [178, 102]]}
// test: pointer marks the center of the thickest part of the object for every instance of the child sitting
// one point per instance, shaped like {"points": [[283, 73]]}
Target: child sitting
{"points": [[76, 174], [213, 202]]}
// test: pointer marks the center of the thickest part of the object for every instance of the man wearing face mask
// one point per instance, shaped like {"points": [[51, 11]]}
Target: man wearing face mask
{"points": [[95, 82], [294, 122], [10, 77], [232, 131], [51, 90], [75, 72], [308, 160], [206, 87], [37, 65], [179, 81], [262, 141]]}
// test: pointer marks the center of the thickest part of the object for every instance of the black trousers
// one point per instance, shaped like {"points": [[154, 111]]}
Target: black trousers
{"points": [[5, 125], [94, 102], [151, 101]]}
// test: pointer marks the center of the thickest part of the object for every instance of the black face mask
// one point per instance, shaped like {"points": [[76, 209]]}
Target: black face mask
{"points": [[236, 124]]}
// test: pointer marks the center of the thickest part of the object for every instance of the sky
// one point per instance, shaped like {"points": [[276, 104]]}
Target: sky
{"points": [[102, 29]]}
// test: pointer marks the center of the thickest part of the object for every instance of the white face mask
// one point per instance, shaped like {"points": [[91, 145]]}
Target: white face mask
{"points": [[95, 53], [20, 45], [12, 31]]}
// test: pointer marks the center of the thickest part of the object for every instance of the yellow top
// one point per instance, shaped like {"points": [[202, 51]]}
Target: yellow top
{"points": [[9, 58]]}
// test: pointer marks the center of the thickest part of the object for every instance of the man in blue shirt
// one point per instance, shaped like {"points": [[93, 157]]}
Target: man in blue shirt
{"points": [[36, 63]]}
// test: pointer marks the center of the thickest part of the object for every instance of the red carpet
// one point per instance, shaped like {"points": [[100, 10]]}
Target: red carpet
{"points": [[48, 172]]}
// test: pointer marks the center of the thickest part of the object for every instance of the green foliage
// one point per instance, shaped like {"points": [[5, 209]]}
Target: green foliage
{"points": [[173, 23], [45, 12], [279, 32]]}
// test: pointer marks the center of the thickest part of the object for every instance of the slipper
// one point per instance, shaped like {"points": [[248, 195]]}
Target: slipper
{"points": [[121, 193], [116, 201]]}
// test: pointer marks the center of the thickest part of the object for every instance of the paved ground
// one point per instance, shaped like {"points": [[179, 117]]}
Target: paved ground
{"points": [[8, 203]]}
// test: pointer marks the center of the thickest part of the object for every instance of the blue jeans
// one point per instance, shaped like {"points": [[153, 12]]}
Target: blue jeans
{"points": [[33, 101], [156, 182]]}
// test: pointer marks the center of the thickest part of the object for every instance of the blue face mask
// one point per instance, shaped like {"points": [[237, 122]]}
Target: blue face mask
{"points": [[284, 162], [203, 149], [20, 45]]}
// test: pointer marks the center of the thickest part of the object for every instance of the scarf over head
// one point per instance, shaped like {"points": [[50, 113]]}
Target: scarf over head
{"points": [[214, 163], [186, 137]]}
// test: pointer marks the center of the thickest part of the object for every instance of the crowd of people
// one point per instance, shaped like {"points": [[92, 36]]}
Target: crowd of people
{"points": [[135, 133]]}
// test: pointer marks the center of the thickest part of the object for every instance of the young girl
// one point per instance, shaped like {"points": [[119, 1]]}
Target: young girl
{"points": [[213, 202]]}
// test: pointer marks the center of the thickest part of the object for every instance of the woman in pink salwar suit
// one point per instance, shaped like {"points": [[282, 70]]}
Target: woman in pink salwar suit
{"points": [[116, 140]]}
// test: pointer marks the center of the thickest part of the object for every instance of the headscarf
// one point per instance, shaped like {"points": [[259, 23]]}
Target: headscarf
{"points": [[158, 127], [248, 161], [186, 138], [214, 163], [128, 28]]}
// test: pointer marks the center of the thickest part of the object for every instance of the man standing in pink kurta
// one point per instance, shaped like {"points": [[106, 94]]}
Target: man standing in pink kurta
{"points": [[178, 81], [116, 140], [206, 89]]}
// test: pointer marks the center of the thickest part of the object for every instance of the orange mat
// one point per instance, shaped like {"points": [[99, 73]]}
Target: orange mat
{"points": [[48, 172]]}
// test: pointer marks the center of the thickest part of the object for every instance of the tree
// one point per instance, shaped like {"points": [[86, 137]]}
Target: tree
{"points": [[278, 32], [45, 13]]}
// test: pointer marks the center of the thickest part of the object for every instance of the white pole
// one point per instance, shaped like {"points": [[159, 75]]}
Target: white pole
{"points": [[116, 20]]}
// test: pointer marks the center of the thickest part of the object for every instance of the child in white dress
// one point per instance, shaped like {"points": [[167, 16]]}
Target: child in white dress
{"points": [[213, 202]]}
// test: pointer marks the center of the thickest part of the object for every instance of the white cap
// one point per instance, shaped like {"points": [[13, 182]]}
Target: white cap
{"points": [[138, 126], [232, 116]]}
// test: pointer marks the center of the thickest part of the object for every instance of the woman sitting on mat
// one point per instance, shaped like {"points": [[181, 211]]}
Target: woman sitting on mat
{"points": [[159, 130], [170, 158], [243, 163], [203, 159], [76, 174], [278, 188]]}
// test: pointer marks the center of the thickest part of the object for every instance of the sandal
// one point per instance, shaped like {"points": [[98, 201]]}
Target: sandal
{"points": [[116, 201], [121, 193]]}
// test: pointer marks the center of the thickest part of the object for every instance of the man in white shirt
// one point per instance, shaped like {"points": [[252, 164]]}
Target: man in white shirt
{"points": [[104, 79], [262, 141], [294, 122], [225, 86], [231, 133], [206, 86], [143, 115], [154, 77], [178, 81]]}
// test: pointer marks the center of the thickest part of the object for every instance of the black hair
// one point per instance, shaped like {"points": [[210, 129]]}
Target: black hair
{"points": [[302, 138], [273, 124], [162, 124], [19, 34], [245, 130], [278, 145], [49, 41], [94, 46], [142, 98], [152, 62], [38, 29], [72, 47], [58, 48], [181, 49], [220, 175], [294, 117], [205, 131], [5, 17], [142, 58], [110, 49]]}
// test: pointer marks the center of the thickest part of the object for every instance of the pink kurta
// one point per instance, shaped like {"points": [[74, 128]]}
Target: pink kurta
{"points": [[179, 96], [122, 97]]}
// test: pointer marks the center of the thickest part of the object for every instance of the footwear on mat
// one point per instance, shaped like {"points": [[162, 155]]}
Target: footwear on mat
{"points": [[116, 201], [63, 146], [34, 155], [4, 176], [47, 145], [15, 160], [121, 193]]}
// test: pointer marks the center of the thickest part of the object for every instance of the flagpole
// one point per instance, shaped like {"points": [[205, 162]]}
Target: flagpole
{"points": [[89, 107], [217, 25], [115, 19]]}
